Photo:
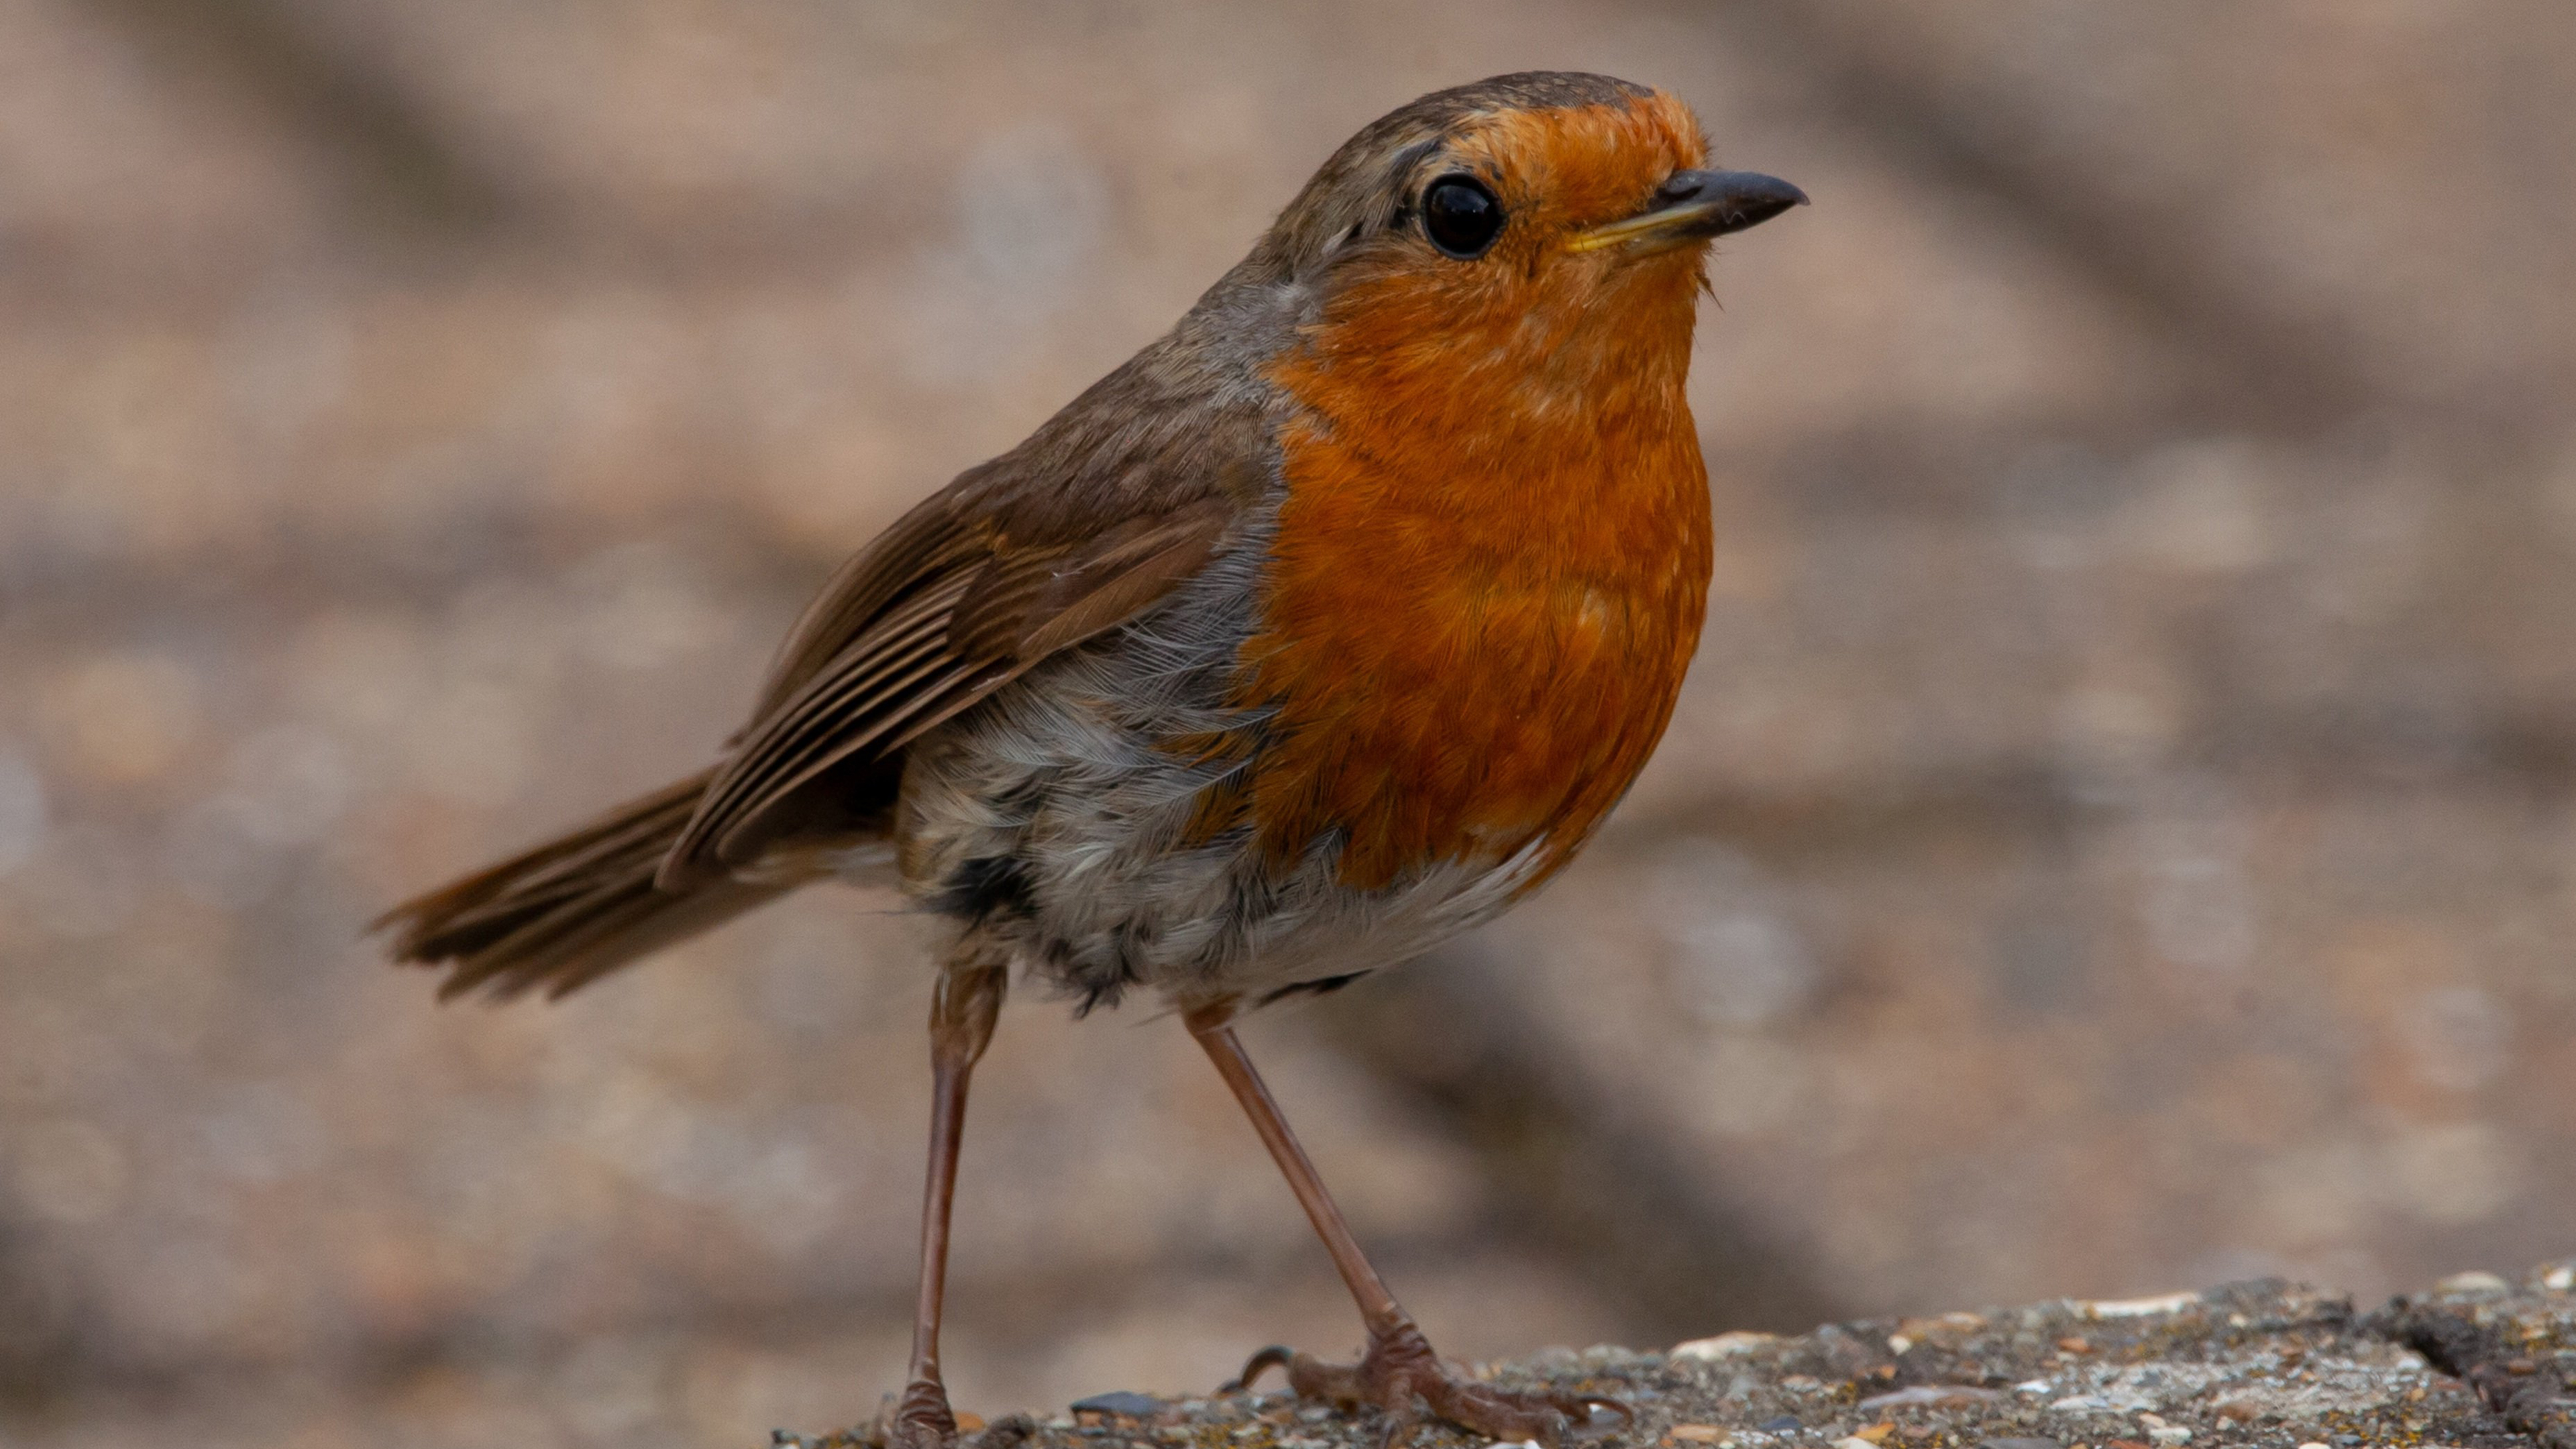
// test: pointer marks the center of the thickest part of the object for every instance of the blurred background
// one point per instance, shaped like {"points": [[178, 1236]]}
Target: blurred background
{"points": [[2120, 834]]}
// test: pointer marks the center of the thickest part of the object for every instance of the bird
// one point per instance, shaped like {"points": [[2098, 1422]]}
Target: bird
{"points": [[1329, 625]]}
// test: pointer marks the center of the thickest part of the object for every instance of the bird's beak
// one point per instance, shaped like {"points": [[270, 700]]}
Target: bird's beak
{"points": [[1695, 205]]}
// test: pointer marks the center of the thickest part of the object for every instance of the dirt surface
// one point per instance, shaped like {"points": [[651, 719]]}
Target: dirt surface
{"points": [[2478, 1361]]}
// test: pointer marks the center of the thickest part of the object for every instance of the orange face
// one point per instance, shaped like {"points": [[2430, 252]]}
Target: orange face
{"points": [[1493, 557], [1539, 304]]}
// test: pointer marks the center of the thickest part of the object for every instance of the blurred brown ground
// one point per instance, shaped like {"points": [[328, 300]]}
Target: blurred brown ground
{"points": [[2119, 834]]}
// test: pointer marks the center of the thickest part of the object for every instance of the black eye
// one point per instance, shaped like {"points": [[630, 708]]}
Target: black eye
{"points": [[1461, 216]]}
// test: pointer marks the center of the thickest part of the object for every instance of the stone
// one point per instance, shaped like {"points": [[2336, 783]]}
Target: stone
{"points": [[1724, 1345], [2140, 1307], [2254, 1366]]}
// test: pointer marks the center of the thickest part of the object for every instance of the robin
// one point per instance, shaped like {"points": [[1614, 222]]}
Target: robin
{"points": [[1329, 625]]}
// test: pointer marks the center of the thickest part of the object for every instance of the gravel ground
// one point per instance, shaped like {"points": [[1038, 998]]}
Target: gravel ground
{"points": [[2479, 1360]]}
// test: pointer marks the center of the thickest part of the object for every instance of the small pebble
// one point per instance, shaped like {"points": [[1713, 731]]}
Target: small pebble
{"points": [[1725, 1345], [1698, 1434], [2019, 1444], [2476, 1280], [1854, 1442], [2559, 1279], [2170, 1435], [2140, 1307], [1780, 1424], [2313, 1445], [1929, 1396]]}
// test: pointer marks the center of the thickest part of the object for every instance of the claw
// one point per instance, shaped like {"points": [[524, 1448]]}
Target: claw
{"points": [[1003, 1432], [1277, 1355], [1579, 1407], [1402, 1377]]}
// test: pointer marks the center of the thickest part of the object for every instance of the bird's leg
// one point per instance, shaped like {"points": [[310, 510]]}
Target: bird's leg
{"points": [[962, 1012], [1400, 1373]]}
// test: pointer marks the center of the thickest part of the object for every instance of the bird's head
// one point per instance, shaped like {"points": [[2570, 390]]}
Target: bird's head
{"points": [[1547, 204]]}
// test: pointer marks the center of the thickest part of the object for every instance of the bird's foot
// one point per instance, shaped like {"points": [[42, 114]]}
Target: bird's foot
{"points": [[921, 1418], [1401, 1376]]}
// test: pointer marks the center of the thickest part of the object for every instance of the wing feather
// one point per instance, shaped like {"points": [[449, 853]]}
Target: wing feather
{"points": [[973, 611]]}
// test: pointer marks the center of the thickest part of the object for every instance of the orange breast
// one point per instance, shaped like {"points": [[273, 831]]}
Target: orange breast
{"points": [[1489, 576]]}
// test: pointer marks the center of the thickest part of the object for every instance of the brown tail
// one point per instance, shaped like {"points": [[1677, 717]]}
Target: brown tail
{"points": [[571, 910]]}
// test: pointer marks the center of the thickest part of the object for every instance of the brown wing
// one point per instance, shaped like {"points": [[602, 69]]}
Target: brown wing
{"points": [[944, 608]]}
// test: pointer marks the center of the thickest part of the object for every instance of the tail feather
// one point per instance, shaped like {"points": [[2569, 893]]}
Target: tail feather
{"points": [[572, 910]]}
